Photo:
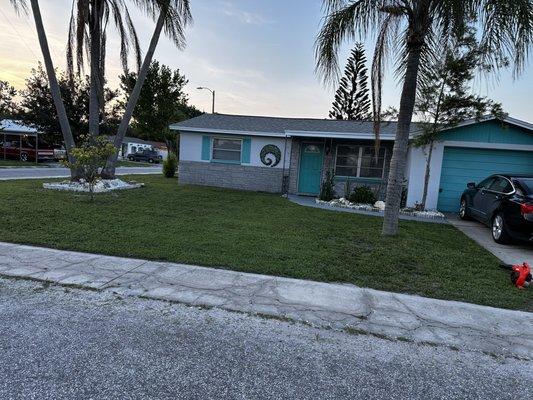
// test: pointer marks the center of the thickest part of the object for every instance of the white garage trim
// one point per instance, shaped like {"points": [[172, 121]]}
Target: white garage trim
{"points": [[483, 145]]}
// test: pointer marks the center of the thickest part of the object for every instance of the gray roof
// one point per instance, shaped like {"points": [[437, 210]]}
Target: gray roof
{"points": [[246, 123], [129, 139]]}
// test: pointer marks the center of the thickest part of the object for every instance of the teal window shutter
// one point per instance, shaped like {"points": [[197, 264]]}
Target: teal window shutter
{"points": [[246, 147], [206, 148]]}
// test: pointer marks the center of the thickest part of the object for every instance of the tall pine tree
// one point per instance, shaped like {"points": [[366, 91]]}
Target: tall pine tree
{"points": [[351, 99]]}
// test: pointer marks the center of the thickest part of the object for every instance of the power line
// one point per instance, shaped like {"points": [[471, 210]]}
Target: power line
{"points": [[18, 33]]}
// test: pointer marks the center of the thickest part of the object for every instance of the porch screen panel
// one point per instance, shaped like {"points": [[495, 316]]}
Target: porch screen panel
{"points": [[370, 166], [347, 160]]}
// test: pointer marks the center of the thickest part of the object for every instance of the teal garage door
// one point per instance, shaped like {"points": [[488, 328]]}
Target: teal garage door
{"points": [[462, 165]]}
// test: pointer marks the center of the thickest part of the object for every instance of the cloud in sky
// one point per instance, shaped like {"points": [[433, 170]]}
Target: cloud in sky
{"points": [[246, 17], [257, 55]]}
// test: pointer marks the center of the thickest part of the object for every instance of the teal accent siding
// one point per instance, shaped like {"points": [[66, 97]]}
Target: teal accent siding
{"points": [[489, 132], [462, 165], [206, 148], [310, 169], [245, 151]]}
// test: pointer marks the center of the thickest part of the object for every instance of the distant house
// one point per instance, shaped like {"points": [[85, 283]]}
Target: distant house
{"points": [[292, 155], [131, 145]]}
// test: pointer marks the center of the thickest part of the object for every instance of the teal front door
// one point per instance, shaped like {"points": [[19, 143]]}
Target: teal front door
{"points": [[311, 157]]}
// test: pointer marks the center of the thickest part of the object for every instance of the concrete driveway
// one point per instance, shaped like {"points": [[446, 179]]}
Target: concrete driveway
{"points": [[509, 254]]}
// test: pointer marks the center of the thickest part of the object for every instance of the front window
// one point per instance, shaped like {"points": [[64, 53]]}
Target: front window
{"points": [[227, 150], [360, 161]]}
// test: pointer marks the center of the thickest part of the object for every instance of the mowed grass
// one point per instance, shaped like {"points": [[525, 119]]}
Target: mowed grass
{"points": [[261, 233], [22, 164]]}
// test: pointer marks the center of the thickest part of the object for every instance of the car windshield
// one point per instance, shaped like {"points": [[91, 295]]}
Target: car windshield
{"points": [[527, 184]]}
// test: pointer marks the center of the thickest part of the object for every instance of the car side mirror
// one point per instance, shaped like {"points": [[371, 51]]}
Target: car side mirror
{"points": [[471, 185]]}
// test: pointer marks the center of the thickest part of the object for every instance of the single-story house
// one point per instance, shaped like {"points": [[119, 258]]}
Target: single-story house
{"points": [[132, 145], [292, 155]]}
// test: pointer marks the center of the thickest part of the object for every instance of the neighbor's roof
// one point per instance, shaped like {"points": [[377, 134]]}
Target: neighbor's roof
{"points": [[129, 139], [275, 126], [10, 125]]}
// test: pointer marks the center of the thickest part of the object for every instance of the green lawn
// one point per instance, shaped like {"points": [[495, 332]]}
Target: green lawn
{"points": [[259, 233], [18, 163]]}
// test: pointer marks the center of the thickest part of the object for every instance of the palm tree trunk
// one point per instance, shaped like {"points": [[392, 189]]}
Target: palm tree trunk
{"points": [[96, 84], [399, 152], [109, 170], [54, 85], [426, 177]]}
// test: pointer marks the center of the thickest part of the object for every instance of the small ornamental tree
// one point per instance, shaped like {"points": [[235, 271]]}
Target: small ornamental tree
{"points": [[351, 99], [327, 190], [90, 158], [170, 165], [445, 98]]}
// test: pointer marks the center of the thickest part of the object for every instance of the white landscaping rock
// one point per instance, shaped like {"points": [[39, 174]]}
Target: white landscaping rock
{"points": [[102, 186], [380, 205]]}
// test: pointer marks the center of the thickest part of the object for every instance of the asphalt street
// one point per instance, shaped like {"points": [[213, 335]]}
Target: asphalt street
{"points": [[58, 172], [64, 343]]}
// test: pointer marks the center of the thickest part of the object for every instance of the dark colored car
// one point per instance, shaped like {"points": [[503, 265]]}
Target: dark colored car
{"points": [[150, 156], [504, 203]]}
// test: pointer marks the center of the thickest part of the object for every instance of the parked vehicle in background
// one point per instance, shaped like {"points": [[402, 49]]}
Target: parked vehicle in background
{"points": [[150, 156], [25, 148], [504, 203], [60, 153]]}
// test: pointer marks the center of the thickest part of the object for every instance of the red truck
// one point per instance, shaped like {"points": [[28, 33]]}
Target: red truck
{"points": [[25, 148]]}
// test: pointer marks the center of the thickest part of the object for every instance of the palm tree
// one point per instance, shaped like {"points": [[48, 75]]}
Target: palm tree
{"points": [[20, 5], [87, 35], [414, 30], [173, 17]]}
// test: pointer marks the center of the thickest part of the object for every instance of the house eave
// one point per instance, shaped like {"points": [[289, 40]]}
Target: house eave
{"points": [[225, 131], [337, 135], [288, 134]]}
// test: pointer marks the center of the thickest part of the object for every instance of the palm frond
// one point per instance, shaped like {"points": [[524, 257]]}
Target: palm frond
{"points": [[384, 41], [344, 21], [20, 6], [507, 30]]}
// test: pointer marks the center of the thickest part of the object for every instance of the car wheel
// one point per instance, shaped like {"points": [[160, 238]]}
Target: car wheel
{"points": [[23, 157], [130, 158], [151, 160], [463, 210], [499, 229]]}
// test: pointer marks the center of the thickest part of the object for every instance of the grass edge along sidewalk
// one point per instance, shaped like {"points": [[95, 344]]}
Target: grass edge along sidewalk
{"points": [[258, 233]]}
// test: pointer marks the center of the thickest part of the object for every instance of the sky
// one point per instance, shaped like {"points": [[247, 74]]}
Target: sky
{"points": [[258, 55]]}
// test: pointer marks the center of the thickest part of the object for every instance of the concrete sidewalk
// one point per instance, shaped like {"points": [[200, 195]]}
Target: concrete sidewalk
{"points": [[356, 310]]}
